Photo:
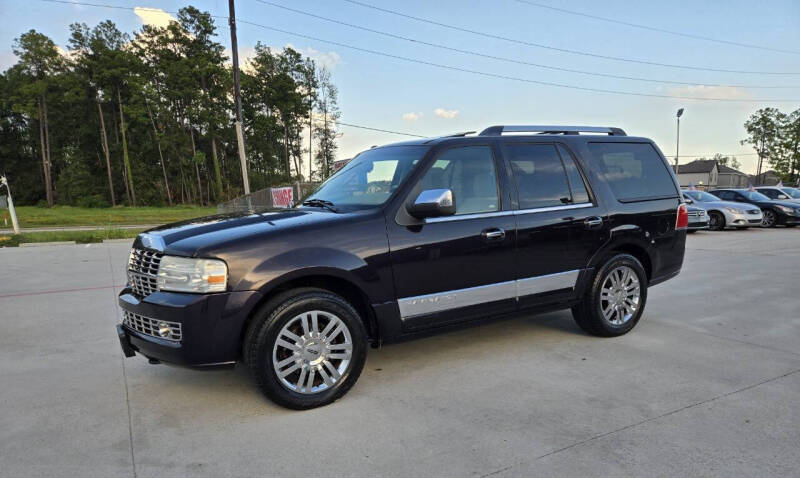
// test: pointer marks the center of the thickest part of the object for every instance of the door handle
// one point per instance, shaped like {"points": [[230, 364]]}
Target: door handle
{"points": [[593, 222], [494, 234]]}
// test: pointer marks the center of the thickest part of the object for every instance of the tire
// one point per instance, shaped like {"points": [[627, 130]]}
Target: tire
{"points": [[770, 219], [308, 353], [588, 314], [716, 221], [791, 225], [691, 231]]}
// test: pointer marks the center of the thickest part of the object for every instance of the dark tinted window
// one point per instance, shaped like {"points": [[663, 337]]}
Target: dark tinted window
{"points": [[540, 175], [576, 184], [470, 173], [724, 195], [634, 171]]}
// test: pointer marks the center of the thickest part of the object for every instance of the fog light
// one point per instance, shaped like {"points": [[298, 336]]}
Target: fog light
{"points": [[164, 330]]}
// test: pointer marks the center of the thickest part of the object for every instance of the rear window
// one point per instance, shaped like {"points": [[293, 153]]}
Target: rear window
{"points": [[634, 171]]}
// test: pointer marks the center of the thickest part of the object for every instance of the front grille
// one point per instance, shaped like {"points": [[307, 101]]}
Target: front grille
{"points": [[143, 271], [695, 214], [148, 326]]}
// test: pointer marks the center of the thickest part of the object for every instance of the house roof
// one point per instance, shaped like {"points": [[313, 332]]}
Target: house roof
{"points": [[697, 166], [726, 170]]}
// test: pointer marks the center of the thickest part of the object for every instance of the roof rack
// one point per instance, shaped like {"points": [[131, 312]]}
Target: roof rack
{"points": [[549, 129], [463, 133]]}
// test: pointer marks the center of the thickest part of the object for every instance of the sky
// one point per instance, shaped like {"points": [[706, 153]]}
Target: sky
{"points": [[391, 93]]}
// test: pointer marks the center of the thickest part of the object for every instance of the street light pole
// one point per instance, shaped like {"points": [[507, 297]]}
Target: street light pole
{"points": [[14, 223], [237, 95], [678, 141]]}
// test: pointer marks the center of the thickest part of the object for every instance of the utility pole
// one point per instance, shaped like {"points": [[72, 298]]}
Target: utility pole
{"points": [[678, 142], [14, 223], [761, 154], [237, 95]]}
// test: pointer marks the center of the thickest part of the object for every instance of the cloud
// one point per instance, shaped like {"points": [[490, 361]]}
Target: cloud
{"points": [[327, 59], [443, 113], [703, 91], [153, 16], [412, 116]]}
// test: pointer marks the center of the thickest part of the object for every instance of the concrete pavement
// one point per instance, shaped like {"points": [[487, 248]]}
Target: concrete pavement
{"points": [[706, 385]]}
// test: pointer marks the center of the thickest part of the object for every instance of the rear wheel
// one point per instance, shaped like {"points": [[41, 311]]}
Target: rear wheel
{"points": [[769, 219], [306, 348], [614, 302], [716, 221]]}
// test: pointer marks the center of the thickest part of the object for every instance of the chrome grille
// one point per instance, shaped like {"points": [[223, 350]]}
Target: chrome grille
{"points": [[148, 326], [143, 271]]}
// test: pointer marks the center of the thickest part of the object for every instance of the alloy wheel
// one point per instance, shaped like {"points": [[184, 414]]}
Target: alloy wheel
{"points": [[620, 295], [312, 352], [768, 220]]}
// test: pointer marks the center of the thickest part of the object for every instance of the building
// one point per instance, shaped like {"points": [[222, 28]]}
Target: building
{"points": [[767, 178], [703, 173], [731, 178]]}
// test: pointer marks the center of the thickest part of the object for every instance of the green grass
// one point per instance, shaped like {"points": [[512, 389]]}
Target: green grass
{"points": [[32, 216], [81, 237]]}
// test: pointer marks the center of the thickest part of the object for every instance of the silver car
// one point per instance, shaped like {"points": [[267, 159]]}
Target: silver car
{"points": [[722, 214]]}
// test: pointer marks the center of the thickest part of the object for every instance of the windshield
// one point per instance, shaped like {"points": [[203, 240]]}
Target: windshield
{"points": [[792, 192], [754, 196], [371, 178], [701, 196]]}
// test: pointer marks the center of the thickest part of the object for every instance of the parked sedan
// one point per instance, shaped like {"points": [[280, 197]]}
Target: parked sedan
{"points": [[780, 193], [776, 213], [722, 214], [698, 219]]}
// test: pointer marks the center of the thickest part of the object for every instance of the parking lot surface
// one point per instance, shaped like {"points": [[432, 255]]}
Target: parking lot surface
{"points": [[706, 385]]}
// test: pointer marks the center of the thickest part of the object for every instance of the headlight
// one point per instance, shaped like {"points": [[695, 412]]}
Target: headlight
{"points": [[734, 210], [184, 274], [785, 209]]}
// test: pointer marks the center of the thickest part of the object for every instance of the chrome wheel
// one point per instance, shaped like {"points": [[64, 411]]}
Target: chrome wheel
{"points": [[620, 295], [312, 352], [768, 220]]}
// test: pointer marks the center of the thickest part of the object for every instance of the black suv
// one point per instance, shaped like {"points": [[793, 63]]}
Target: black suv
{"points": [[786, 213], [406, 239]]}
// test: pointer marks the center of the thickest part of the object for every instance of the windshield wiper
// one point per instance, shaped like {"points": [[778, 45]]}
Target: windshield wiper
{"points": [[320, 203]]}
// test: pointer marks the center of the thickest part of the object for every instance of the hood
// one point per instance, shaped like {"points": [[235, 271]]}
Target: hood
{"points": [[720, 204], [192, 237], [791, 204]]}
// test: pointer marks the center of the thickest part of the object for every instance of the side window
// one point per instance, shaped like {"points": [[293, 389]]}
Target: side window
{"points": [[724, 195], [634, 171], [540, 175], [576, 184], [470, 173]]}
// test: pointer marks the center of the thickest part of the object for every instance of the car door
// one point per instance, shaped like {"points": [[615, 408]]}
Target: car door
{"points": [[460, 267], [559, 224]]}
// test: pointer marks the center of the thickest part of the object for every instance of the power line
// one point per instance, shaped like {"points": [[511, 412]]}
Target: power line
{"points": [[656, 29], [563, 50], [370, 128], [511, 78], [474, 72], [509, 60]]}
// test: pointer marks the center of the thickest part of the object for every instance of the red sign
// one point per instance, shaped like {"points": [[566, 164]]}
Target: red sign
{"points": [[282, 197]]}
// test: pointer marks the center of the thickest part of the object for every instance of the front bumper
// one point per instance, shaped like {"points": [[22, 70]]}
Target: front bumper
{"points": [[211, 326], [743, 220]]}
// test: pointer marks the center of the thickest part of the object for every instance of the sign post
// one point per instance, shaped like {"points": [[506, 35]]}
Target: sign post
{"points": [[14, 223]]}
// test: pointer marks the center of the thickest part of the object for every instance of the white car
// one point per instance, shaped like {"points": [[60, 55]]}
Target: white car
{"points": [[722, 214], [780, 193]]}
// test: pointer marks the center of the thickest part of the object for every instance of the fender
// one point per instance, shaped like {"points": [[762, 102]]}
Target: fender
{"points": [[621, 236]]}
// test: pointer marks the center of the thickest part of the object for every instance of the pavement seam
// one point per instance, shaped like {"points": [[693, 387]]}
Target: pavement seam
{"points": [[124, 370], [648, 420]]}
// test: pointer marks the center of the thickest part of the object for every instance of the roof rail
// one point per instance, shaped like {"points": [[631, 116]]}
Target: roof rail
{"points": [[549, 129], [454, 135]]}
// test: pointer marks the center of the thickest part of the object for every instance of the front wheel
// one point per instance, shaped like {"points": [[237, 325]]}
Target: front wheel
{"points": [[716, 221], [305, 348], [769, 219], [614, 302]]}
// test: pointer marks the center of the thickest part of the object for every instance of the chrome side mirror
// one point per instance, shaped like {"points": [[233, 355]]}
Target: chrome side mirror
{"points": [[433, 203]]}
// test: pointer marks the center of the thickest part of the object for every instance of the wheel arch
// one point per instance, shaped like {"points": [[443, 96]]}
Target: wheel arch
{"points": [[626, 247]]}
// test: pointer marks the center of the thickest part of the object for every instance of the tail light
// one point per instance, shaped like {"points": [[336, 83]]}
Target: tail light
{"points": [[682, 222]]}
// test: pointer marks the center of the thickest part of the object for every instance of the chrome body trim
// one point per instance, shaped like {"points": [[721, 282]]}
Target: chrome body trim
{"points": [[516, 212], [547, 283], [454, 299]]}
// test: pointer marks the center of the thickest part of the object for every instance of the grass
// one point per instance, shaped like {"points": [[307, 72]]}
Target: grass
{"points": [[32, 216], [81, 237]]}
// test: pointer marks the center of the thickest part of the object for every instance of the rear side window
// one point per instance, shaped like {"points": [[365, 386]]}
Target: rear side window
{"points": [[540, 175], [576, 184], [634, 171]]}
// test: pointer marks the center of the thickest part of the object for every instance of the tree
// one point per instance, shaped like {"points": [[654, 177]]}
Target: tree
{"points": [[327, 105], [729, 161], [40, 60]]}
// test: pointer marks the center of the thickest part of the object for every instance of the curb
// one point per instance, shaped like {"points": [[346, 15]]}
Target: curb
{"points": [[116, 241], [41, 244]]}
